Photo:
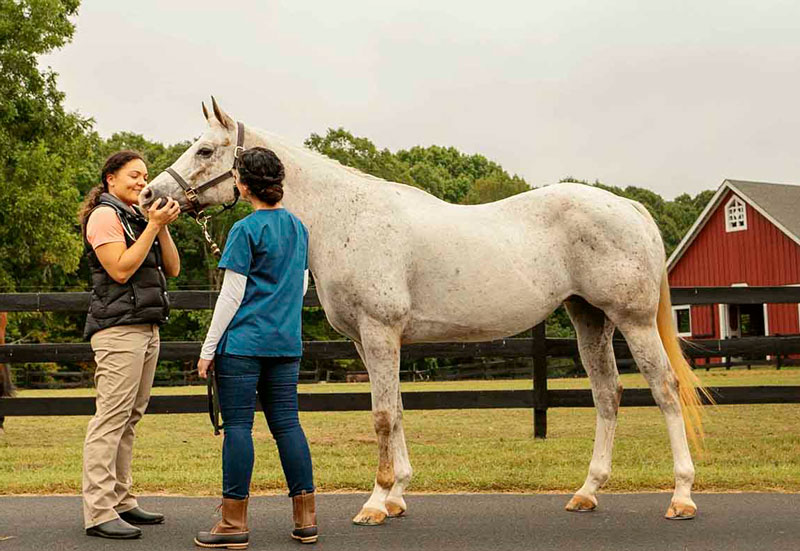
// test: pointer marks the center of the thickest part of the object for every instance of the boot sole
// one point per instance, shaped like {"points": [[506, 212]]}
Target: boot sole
{"points": [[221, 545], [142, 522], [96, 534], [307, 539]]}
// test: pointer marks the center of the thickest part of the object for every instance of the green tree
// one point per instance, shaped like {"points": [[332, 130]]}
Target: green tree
{"points": [[43, 149], [494, 187], [444, 172], [464, 170], [360, 153], [673, 218]]}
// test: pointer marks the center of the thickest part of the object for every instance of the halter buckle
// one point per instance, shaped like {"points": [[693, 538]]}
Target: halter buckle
{"points": [[191, 195]]}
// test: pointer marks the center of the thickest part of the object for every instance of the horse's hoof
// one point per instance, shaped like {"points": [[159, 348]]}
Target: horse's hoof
{"points": [[581, 504], [396, 508], [369, 517], [681, 511]]}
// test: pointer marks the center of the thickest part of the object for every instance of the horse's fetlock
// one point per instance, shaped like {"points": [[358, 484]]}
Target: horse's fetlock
{"points": [[603, 476], [385, 477], [403, 475], [685, 475], [600, 474]]}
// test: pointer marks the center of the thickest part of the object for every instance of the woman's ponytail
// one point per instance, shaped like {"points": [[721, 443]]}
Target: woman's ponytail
{"points": [[90, 202]]}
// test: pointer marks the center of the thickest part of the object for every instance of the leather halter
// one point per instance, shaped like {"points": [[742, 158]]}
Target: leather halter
{"points": [[192, 193]]}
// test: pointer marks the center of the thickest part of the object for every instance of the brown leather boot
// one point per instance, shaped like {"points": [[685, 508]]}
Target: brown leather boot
{"points": [[305, 518], [231, 532]]}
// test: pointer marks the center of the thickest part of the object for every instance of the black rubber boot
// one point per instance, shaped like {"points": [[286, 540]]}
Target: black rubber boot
{"points": [[116, 529], [137, 515]]}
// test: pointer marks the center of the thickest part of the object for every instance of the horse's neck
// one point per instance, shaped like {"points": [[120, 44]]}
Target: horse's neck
{"points": [[317, 188]]}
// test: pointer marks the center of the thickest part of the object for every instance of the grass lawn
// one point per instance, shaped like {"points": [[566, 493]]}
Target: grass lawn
{"points": [[748, 448]]}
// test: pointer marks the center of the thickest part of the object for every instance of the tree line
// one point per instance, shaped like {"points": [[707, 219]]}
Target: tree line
{"points": [[50, 158]]}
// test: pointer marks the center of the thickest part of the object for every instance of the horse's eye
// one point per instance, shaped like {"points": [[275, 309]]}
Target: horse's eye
{"points": [[205, 152]]}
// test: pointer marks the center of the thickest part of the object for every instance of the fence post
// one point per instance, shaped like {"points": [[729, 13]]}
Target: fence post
{"points": [[539, 353]]}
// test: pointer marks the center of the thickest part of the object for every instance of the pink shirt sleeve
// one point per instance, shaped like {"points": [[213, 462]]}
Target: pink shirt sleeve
{"points": [[104, 227]]}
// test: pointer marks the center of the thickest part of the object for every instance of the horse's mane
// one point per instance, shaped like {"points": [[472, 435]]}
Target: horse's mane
{"points": [[324, 161], [317, 156]]}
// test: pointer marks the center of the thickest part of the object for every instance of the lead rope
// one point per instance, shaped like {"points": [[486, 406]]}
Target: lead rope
{"points": [[202, 220]]}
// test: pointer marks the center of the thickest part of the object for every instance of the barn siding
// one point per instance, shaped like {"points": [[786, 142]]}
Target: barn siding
{"points": [[761, 255], [704, 321]]}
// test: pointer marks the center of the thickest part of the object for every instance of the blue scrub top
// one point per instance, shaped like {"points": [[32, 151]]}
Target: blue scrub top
{"points": [[270, 247]]}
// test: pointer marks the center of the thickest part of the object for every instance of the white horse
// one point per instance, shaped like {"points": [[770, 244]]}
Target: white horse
{"points": [[394, 265]]}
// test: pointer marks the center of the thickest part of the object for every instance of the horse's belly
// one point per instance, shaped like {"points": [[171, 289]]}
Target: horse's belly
{"points": [[480, 315], [426, 330]]}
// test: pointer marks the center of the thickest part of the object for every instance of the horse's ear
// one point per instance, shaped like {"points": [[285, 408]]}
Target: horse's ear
{"points": [[205, 111], [221, 116]]}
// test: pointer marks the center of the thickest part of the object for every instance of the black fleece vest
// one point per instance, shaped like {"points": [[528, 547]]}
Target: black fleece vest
{"points": [[143, 298]]}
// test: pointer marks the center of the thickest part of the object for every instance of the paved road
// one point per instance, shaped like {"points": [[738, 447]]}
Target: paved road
{"points": [[727, 522]]}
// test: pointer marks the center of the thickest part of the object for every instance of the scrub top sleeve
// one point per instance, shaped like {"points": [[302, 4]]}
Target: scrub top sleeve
{"points": [[238, 254]]}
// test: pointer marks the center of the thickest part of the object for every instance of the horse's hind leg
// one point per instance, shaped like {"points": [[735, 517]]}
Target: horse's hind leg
{"points": [[395, 504], [647, 349], [380, 350], [594, 331]]}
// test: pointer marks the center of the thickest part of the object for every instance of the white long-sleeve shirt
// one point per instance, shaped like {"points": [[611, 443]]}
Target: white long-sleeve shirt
{"points": [[230, 298]]}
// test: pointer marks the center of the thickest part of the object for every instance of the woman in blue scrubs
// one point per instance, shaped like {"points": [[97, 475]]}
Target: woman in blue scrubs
{"points": [[254, 345]]}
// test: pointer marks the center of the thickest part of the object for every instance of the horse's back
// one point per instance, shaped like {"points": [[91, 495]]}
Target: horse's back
{"points": [[486, 271]]}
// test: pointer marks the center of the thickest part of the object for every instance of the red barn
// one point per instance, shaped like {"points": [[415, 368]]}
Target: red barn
{"points": [[749, 234]]}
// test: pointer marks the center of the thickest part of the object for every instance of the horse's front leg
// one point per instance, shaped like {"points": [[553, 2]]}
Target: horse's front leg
{"points": [[380, 351]]}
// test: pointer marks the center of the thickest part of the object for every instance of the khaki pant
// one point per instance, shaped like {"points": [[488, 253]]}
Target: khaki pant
{"points": [[126, 358]]}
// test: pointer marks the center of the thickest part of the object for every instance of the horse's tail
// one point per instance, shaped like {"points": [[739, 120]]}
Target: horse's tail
{"points": [[689, 386]]}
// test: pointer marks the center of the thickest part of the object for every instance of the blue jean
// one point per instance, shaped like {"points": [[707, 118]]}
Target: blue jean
{"points": [[239, 379]]}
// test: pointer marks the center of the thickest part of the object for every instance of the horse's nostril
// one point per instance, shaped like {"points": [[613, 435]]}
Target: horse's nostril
{"points": [[145, 195]]}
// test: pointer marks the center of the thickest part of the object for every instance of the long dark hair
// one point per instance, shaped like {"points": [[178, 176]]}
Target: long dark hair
{"points": [[262, 172], [111, 166]]}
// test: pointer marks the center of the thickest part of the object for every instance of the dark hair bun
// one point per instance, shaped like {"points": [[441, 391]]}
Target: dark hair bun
{"points": [[262, 172]]}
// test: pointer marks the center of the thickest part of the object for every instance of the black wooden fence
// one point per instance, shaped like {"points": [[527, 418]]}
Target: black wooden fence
{"points": [[537, 347]]}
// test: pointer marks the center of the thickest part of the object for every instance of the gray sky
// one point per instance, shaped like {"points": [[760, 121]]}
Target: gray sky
{"points": [[671, 95]]}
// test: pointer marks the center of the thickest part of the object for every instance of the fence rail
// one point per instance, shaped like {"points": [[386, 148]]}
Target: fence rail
{"points": [[538, 348], [345, 350], [455, 399], [202, 300]]}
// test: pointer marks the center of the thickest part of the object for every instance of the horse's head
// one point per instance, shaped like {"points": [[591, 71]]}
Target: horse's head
{"points": [[203, 167]]}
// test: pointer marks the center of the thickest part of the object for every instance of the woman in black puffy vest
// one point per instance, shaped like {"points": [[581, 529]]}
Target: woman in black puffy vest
{"points": [[130, 256]]}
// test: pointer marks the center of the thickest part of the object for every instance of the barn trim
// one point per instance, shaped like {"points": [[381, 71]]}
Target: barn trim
{"points": [[705, 216], [682, 308]]}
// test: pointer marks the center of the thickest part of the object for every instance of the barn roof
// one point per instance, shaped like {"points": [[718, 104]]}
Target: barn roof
{"points": [[781, 201], [778, 203]]}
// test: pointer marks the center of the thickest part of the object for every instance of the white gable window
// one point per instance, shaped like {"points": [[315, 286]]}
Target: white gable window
{"points": [[735, 215]]}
